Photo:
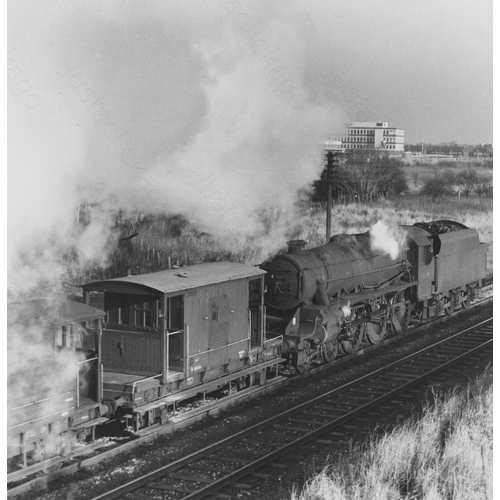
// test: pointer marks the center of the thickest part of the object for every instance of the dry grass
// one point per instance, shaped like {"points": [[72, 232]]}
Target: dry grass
{"points": [[173, 239], [476, 213], [446, 453], [473, 212]]}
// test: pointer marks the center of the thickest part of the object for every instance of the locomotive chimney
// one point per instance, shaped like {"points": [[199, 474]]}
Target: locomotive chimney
{"points": [[295, 246]]}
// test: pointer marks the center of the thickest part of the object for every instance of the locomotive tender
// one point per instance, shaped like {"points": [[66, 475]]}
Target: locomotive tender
{"points": [[166, 336], [339, 294]]}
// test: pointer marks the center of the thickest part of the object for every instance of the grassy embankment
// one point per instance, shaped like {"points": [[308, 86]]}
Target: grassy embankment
{"points": [[446, 452]]}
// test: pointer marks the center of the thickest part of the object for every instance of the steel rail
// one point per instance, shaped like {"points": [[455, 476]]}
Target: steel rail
{"points": [[270, 457], [258, 463], [36, 483]]}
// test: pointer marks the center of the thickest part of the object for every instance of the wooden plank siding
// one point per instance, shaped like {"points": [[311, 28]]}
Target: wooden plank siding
{"points": [[132, 352], [207, 360]]}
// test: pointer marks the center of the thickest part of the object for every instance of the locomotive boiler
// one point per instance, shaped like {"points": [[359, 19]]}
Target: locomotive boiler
{"points": [[347, 291], [329, 297], [345, 263]]}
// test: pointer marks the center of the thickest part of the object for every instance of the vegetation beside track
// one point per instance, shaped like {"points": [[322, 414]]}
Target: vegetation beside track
{"points": [[151, 244], [143, 243], [444, 452]]}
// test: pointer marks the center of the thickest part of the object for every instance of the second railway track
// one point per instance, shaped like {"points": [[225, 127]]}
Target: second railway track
{"points": [[223, 467]]}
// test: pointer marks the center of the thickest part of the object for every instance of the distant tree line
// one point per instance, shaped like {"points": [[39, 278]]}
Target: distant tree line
{"points": [[364, 178], [449, 183]]}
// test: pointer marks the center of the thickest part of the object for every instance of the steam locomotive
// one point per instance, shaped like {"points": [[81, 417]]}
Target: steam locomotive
{"points": [[164, 337], [336, 295]]}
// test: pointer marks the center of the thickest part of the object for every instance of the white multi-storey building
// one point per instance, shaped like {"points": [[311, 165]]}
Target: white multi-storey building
{"points": [[370, 135]]}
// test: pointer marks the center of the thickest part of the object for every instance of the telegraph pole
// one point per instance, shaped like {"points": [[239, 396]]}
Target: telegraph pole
{"points": [[329, 180], [332, 176], [333, 150]]}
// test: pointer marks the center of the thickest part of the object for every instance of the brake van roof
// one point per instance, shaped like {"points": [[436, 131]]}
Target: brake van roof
{"points": [[176, 280]]}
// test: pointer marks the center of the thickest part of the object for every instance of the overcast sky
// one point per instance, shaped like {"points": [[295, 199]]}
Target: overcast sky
{"points": [[422, 65]]}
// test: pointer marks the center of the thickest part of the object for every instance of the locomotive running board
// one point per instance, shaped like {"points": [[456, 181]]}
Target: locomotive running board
{"points": [[372, 294]]}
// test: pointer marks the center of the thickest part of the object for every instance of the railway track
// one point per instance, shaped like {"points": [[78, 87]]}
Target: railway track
{"points": [[108, 451], [232, 464]]}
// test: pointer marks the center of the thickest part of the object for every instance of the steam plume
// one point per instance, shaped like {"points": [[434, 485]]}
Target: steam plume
{"points": [[159, 107], [387, 239]]}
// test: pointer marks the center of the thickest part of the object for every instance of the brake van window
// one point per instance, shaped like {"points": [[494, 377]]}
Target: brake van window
{"points": [[133, 310]]}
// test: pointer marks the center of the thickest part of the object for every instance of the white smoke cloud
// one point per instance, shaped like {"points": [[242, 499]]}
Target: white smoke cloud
{"points": [[163, 107], [388, 239], [37, 377]]}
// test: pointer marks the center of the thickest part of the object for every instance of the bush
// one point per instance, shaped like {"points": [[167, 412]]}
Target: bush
{"points": [[439, 185], [485, 188], [446, 164], [468, 180], [362, 178]]}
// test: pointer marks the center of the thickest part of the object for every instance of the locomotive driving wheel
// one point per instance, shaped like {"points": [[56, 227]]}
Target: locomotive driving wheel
{"points": [[375, 329], [353, 341], [303, 367], [400, 313], [305, 364]]}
